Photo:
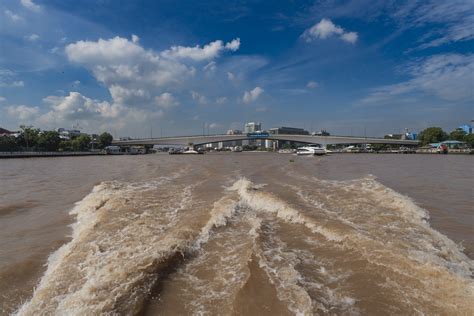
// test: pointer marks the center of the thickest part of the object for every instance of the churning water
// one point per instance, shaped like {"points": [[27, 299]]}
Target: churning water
{"points": [[240, 233]]}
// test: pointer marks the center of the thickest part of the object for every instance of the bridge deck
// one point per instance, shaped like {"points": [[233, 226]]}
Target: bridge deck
{"points": [[309, 139]]}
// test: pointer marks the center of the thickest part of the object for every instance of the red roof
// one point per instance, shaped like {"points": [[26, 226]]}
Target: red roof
{"points": [[5, 131]]}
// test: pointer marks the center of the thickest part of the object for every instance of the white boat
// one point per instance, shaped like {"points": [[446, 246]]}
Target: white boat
{"points": [[311, 150]]}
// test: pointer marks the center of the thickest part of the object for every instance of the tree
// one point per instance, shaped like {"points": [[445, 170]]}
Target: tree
{"points": [[28, 136], [8, 143], [469, 139], [49, 140], [458, 134], [81, 142], [65, 145], [105, 139], [432, 135]]}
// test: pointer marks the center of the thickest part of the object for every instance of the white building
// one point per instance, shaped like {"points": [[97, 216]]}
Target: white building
{"points": [[252, 127]]}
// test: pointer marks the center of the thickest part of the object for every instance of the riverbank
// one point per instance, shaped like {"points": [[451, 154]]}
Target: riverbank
{"points": [[34, 154]]}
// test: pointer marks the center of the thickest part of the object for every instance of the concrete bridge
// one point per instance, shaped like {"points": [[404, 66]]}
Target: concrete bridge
{"points": [[308, 139]]}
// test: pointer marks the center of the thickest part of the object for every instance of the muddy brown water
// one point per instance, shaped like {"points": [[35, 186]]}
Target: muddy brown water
{"points": [[237, 233]]}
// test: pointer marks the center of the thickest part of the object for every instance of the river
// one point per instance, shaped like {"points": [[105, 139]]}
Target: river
{"points": [[237, 234]]}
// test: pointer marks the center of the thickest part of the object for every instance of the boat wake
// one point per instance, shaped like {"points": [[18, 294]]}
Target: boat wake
{"points": [[322, 247]]}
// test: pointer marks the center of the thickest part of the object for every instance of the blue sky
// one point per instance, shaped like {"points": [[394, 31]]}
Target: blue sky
{"points": [[172, 67]]}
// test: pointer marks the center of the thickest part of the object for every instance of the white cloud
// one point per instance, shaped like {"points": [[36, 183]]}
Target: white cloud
{"points": [[198, 53], [2, 99], [12, 16], [7, 79], [233, 45], [210, 67], [29, 4], [446, 76], [252, 95], [312, 85], [213, 125], [32, 37], [133, 75], [199, 97], [230, 76], [326, 29], [350, 37], [221, 100], [22, 112], [139, 80], [166, 100]]}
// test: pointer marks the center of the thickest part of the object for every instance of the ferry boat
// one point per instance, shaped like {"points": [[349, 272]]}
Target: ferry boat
{"points": [[311, 150]]}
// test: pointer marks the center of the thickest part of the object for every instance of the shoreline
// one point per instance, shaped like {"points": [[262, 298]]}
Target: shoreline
{"points": [[7, 155]]}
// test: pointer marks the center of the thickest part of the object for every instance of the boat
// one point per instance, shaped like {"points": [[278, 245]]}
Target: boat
{"points": [[311, 150]]}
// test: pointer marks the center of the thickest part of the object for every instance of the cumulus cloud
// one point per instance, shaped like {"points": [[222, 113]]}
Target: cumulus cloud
{"points": [[326, 29], [30, 5], [252, 95], [32, 37], [13, 16], [198, 53], [199, 97], [139, 77], [213, 125], [446, 76], [2, 99], [22, 112], [166, 100], [230, 76], [312, 85]]}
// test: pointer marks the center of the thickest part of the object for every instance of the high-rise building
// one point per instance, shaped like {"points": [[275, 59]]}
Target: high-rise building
{"points": [[252, 127]]}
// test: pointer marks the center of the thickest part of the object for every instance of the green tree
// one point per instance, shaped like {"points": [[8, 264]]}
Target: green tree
{"points": [[458, 134], [105, 139], [432, 135], [65, 145], [469, 139], [49, 140], [8, 143], [81, 143], [28, 137]]}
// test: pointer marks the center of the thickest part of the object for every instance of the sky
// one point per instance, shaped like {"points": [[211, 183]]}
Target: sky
{"points": [[166, 67]]}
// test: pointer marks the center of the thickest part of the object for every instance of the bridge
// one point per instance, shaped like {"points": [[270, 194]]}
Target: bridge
{"points": [[307, 139]]}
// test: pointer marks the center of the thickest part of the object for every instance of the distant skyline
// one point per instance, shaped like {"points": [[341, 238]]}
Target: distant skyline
{"points": [[350, 67]]}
